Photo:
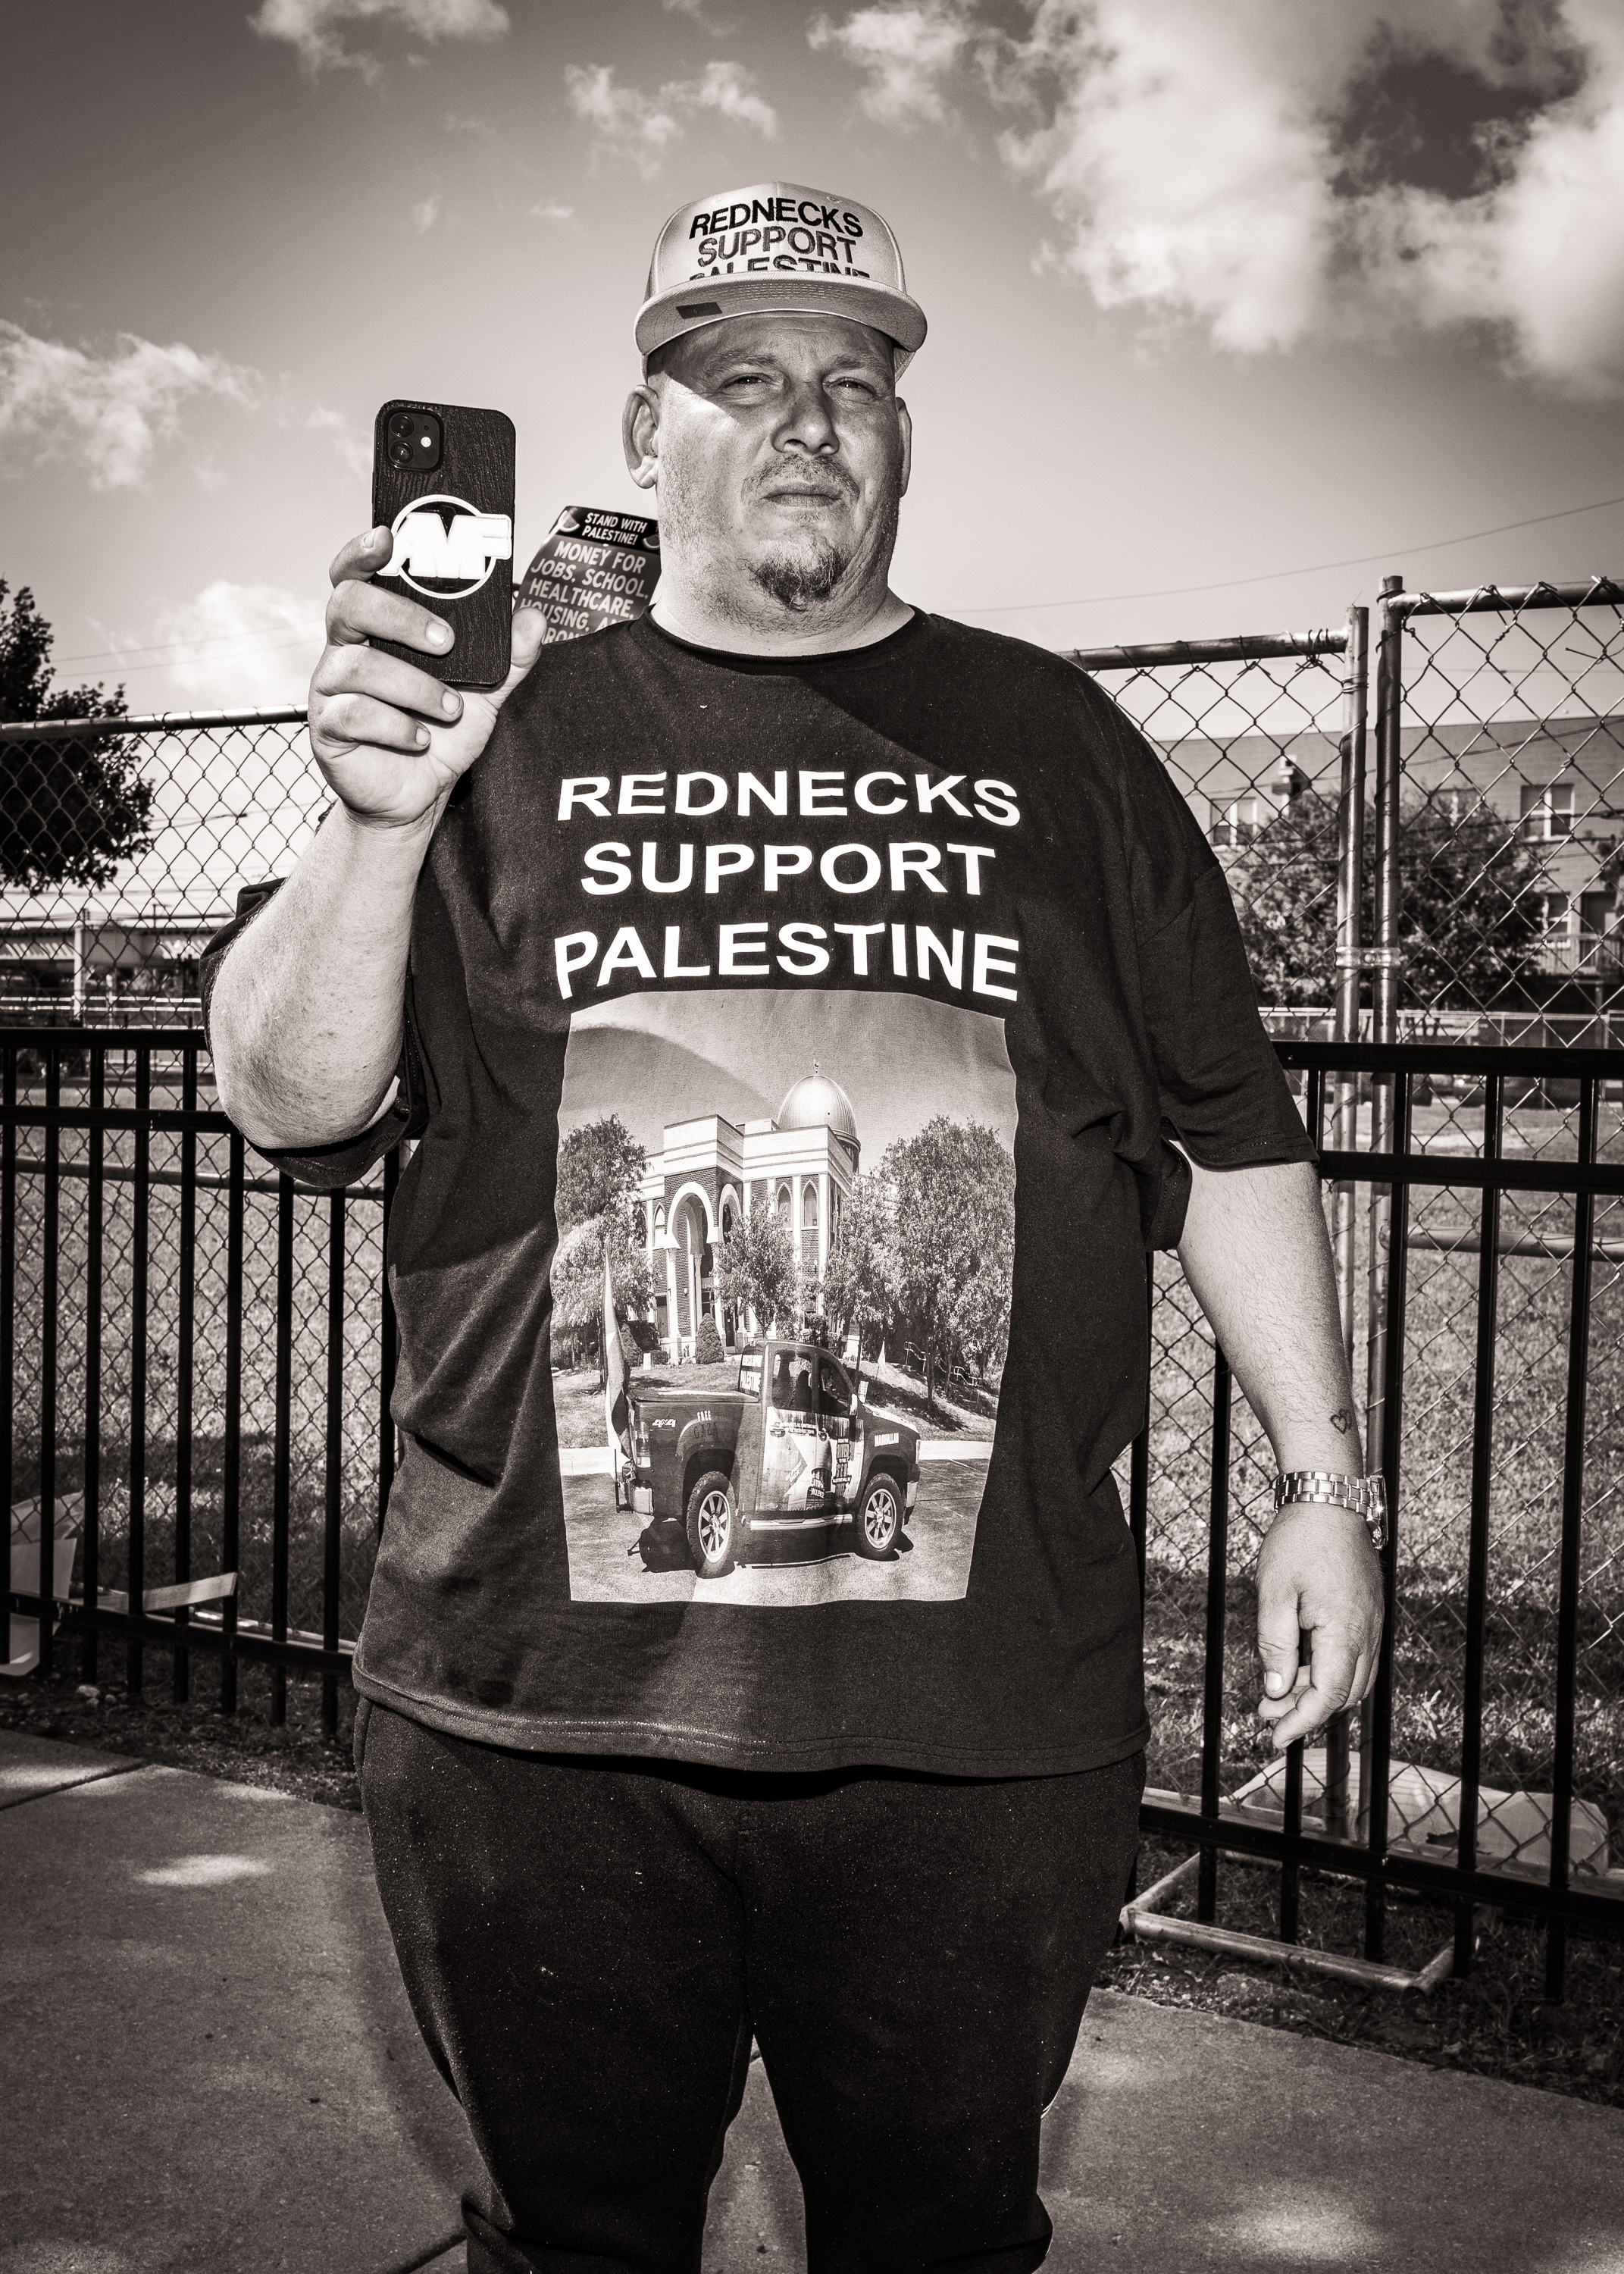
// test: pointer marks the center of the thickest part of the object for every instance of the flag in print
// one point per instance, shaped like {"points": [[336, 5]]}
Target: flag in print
{"points": [[616, 1418]]}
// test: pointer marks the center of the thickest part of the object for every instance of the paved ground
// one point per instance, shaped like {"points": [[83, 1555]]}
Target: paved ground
{"points": [[205, 2062]]}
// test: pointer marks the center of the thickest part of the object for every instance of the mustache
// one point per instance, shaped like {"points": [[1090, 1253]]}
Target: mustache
{"points": [[827, 480]]}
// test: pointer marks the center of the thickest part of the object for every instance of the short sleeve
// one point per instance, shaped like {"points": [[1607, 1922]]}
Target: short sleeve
{"points": [[1224, 1094], [326, 1168]]}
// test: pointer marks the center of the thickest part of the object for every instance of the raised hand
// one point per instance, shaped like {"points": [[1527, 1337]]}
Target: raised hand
{"points": [[390, 739]]}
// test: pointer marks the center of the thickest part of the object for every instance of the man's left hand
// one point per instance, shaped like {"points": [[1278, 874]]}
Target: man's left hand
{"points": [[1318, 1572]]}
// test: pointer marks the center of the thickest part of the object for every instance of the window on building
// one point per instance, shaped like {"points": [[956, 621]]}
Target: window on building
{"points": [[781, 1205], [808, 1209], [1237, 821], [1595, 913], [1550, 914], [1548, 809]]}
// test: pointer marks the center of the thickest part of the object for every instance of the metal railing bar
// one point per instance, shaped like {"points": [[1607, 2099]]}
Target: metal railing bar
{"points": [[1138, 1453], [246, 1639], [281, 1441], [94, 1233], [1297, 1057], [1602, 1908], [1573, 1522], [166, 1119], [50, 1231], [139, 1329], [1505, 1176], [1217, 1603], [202, 1180], [332, 1513], [231, 1449], [8, 1314], [1471, 1243], [1378, 1751], [147, 722], [390, 1342], [1509, 599], [1240, 647], [1478, 1545], [87, 1035], [185, 1330]]}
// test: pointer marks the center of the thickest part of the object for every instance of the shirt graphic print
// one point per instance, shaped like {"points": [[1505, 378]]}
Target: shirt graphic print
{"points": [[762, 1184]]}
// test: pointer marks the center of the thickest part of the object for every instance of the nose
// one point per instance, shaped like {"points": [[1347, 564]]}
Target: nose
{"points": [[806, 424]]}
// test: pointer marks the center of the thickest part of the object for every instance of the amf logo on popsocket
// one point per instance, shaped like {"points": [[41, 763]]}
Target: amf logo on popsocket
{"points": [[446, 542]]}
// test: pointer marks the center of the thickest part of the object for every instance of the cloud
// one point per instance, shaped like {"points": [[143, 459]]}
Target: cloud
{"points": [[314, 27], [233, 647], [906, 53], [694, 11], [554, 212], [426, 212], [107, 412], [627, 124], [1216, 165], [356, 453]]}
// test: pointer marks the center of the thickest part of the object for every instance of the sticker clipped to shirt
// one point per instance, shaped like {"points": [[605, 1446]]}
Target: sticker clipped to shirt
{"points": [[592, 571]]}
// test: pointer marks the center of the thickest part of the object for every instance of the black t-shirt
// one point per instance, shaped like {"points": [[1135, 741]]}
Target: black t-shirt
{"points": [[831, 1000]]}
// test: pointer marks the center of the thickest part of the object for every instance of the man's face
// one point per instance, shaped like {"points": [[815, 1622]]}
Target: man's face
{"points": [[783, 453]]}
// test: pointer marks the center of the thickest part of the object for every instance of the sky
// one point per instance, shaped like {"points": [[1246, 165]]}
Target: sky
{"points": [[1232, 308]]}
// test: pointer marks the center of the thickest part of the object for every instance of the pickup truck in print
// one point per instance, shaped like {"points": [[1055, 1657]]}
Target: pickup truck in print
{"points": [[793, 1449]]}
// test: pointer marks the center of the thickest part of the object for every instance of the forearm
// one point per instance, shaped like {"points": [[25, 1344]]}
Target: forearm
{"points": [[1255, 1252], [307, 1010]]}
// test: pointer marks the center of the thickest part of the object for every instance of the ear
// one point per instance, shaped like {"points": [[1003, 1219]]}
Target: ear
{"points": [[640, 436], [905, 428]]}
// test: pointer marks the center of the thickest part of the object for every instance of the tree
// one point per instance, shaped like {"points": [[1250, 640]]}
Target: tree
{"points": [[600, 1166], [858, 1277], [953, 1241], [756, 1266], [70, 812], [1467, 925]]}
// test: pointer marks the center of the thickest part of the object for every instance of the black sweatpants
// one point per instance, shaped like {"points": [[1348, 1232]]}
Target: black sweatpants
{"points": [[590, 1945]]}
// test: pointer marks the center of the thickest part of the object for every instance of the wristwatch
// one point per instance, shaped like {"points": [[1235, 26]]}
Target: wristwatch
{"points": [[1366, 1496]]}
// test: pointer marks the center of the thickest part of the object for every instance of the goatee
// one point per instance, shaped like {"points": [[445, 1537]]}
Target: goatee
{"points": [[801, 579]]}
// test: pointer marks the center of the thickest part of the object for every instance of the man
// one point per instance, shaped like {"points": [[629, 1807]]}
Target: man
{"points": [[875, 1812]]}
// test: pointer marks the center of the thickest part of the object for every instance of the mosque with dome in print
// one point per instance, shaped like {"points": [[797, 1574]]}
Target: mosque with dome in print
{"points": [[712, 1174]]}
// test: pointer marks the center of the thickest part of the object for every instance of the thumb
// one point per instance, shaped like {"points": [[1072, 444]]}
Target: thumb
{"points": [[1278, 1639], [530, 630]]}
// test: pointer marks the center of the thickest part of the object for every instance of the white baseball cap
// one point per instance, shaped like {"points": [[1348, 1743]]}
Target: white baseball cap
{"points": [[777, 248]]}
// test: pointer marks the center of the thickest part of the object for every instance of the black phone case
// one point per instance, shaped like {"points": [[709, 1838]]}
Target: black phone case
{"points": [[476, 472]]}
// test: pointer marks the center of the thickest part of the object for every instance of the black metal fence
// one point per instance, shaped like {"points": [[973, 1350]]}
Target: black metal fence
{"points": [[1489, 1766], [196, 1361], [195, 1364]]}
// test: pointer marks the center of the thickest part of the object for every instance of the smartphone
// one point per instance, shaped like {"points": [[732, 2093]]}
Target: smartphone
{"points": [[442, 483]]}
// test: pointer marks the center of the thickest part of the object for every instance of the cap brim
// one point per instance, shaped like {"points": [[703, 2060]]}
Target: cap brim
{"points": [[689, 306]]}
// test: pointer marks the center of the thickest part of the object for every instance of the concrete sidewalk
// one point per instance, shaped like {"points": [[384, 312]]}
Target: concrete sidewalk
{"points": [[208, 2063]]}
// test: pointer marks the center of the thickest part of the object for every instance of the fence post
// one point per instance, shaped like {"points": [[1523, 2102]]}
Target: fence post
{"points": [[1345, 1121], [1384, 960]]}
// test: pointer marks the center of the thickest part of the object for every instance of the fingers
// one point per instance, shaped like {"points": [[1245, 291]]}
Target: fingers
{"points": [[363, 556], [1331, 1683], [1277, 1638], [529, 628], [359, 611]]}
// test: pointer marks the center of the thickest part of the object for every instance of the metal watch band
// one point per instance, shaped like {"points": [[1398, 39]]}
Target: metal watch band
{"points": [[1366, 1496]]}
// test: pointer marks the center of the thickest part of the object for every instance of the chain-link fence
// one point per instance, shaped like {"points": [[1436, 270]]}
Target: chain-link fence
{"points": [[124, 844], [1507, 710]]}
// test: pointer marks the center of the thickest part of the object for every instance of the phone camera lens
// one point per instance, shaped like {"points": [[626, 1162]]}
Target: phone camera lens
{"points": [[401, 424]]}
